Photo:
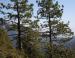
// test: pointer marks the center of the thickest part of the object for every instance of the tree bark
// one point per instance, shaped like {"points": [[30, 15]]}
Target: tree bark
{"points": [[50, 33], [19, 32]]}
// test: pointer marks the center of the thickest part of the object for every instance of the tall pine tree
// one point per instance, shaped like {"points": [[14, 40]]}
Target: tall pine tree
{"points": [[49, 9]]}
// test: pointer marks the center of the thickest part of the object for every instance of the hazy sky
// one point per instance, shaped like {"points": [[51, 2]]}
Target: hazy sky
{"points": [[69, 11]]}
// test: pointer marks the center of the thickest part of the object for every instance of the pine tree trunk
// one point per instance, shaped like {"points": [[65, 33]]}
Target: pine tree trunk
{"points": [[19, 32], [50, 33]]}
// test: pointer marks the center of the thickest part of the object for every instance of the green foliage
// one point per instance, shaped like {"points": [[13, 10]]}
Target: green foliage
{"points": [[63, 28], [6, 49], [34, 24], [49, 8], [4, 38], [20, 10], [30, 43], [25, 9], [61, 52]]}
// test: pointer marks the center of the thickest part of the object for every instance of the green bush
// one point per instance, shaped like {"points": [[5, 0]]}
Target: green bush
{"points": [[61, 52]]}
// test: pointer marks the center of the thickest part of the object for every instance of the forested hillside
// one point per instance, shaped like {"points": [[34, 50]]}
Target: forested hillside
{"points": [[25, 35]]}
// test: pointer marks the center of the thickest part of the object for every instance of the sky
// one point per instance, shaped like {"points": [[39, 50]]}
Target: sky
{"points": [[68, 14]]}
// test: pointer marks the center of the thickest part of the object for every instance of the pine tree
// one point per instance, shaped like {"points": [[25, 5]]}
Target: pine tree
{"points": [[20, 9], [58, 27], [49, 9]]}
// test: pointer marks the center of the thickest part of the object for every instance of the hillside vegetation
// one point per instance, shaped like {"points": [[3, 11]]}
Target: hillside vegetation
{"points": [[6, 49]]}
